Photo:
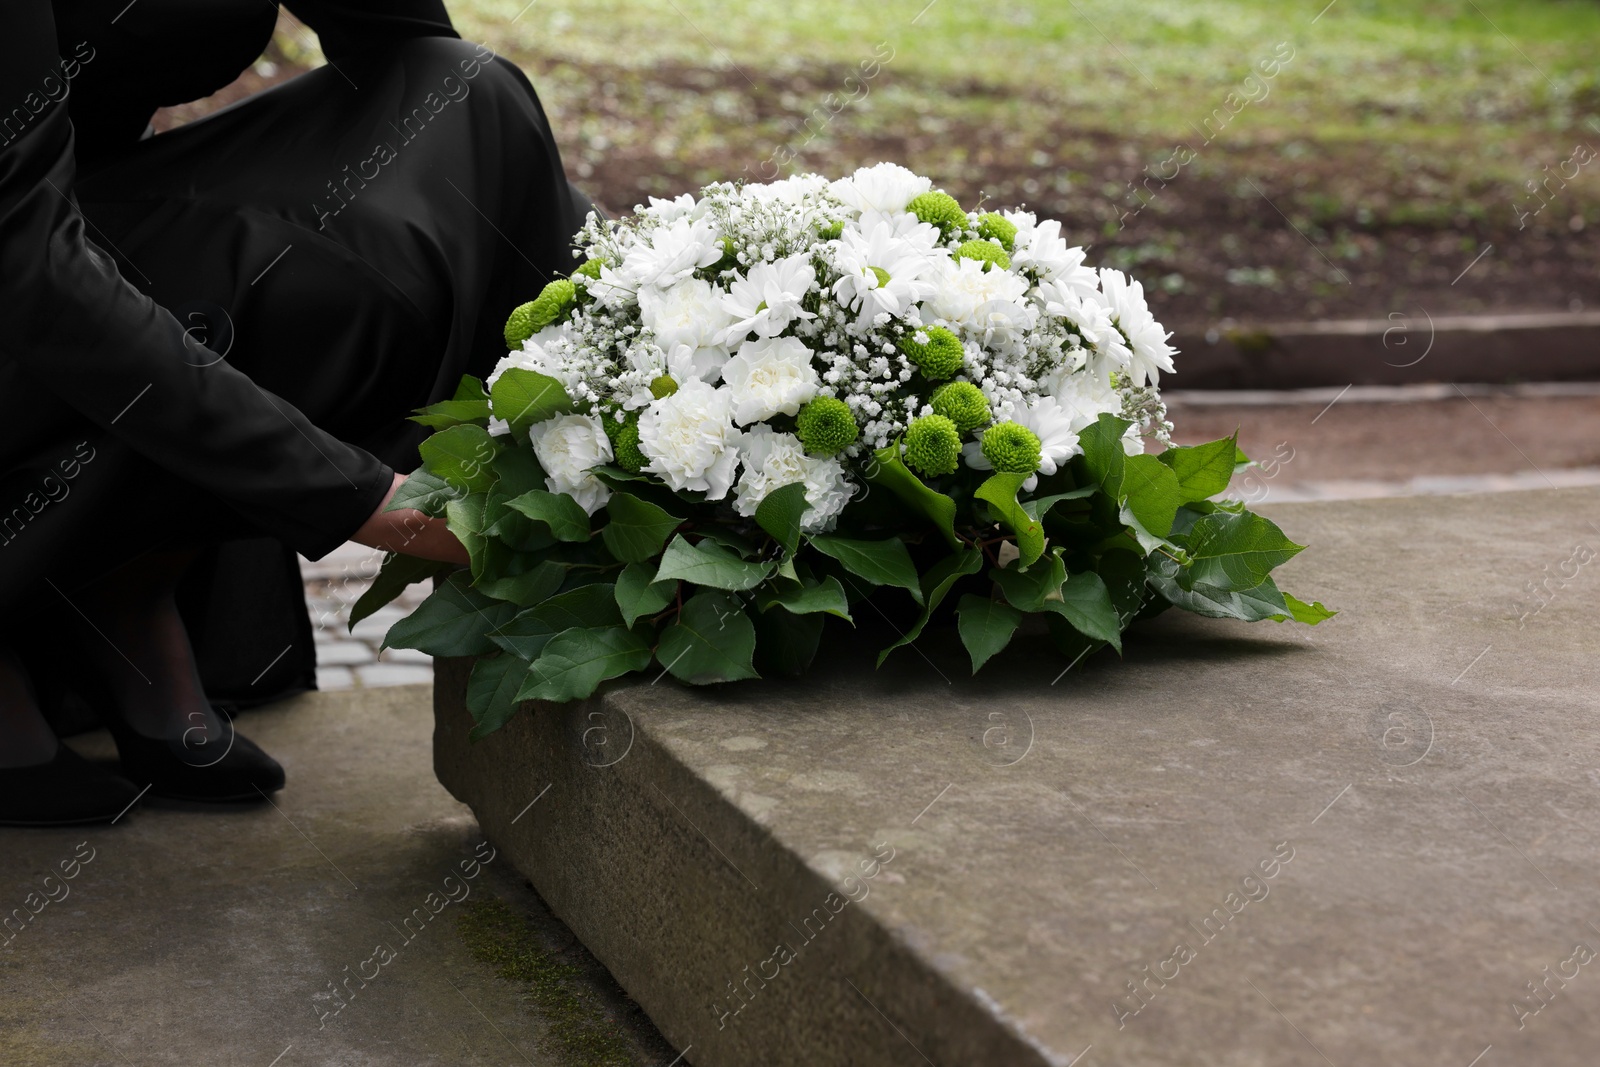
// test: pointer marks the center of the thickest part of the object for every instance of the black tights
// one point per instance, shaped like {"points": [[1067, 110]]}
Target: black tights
{"points": [[128, 630]]}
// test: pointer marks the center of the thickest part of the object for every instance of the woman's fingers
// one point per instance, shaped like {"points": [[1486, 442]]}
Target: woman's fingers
{"points": [[410, 532]]}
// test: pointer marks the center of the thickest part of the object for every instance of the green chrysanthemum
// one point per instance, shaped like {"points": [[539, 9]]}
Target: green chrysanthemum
{"points": [[932, 445], [940, 358], [985, 252], [1011, 448], [663, 386], [997, 228], [941, 209], [825, 426], [963, 404], [831, 233], [590, 268], [625, 444], [546, 308]]}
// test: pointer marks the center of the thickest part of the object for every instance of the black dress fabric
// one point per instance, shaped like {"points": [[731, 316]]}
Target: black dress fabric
{"points": [[217, 332]]}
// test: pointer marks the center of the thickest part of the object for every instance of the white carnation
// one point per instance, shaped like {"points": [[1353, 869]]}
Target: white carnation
{"points": [[688, 313], [979, 299], [690, 440], [770, 377], [881, 191], [569, 447], [772, 460]]}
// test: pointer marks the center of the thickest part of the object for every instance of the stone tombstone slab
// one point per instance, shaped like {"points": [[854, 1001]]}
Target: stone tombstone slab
{"points": [[1377, 841]]}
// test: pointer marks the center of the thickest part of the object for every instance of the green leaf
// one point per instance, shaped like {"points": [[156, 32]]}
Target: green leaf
{"points": [[1040, 506], [780, 512], [710, 565], [564, 516], [1205, 470], [587, 606], [1086, 603], [935, 584], [1082, 599], [492, 692], [1252, 605], [638, 593], [516, 471], [524, 397], [576, 661], [1300, 611], [742, 546], [986, 627], [713, 640], [637, 529], [786, 644], [1151, 490], [1240, 460], [455, 621], [524, 581], [1000, 493], [424, 491], [1030, 590], [1103, 455], [1124, 575], [826, 595], [447, 413], [461, 456], [892, 474], [879, 562], [1236, 550], [398, 572]]}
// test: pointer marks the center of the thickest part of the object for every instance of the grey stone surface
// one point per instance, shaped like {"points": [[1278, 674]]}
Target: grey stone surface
{"points": [[212, 938], [1238, 845]]}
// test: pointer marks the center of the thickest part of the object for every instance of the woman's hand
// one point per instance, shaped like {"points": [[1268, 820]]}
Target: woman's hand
{"points": [[410, 532]]}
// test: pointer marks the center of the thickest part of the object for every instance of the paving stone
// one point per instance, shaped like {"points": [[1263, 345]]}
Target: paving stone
{"points": [[375, 674], [202, 937], [335, 678], [343, 653], [405, 655]]}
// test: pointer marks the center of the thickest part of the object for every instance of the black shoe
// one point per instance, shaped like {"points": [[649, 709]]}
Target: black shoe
{"points": [[67, 791], [230, 768]]}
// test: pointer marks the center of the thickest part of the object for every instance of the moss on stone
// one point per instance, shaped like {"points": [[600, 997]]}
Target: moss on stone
{"points": [[552, 987]]}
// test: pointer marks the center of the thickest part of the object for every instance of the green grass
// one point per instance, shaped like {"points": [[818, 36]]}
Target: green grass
{"points": [[1365, 68], [1398, 137]]}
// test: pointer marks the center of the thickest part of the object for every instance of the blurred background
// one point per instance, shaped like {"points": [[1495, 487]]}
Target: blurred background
{"points": [[1310, 192]]}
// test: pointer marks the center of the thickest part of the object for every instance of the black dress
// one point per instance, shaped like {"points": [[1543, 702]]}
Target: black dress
{"points": [[217, 332]]}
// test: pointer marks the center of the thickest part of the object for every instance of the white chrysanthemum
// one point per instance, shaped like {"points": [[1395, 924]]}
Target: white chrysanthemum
{"points": [[1042, 249], [690, 313], [908, 263], [790, 190], [772, 460], [1087, 396], [768, 298], [1056, 427], [614, 288], [772, 376], [1088, 314], [1151, 353], [980, 299], [690, 440], [569, 447], [672, 252], [683, 206], [1133, 441], [880, 191]]}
